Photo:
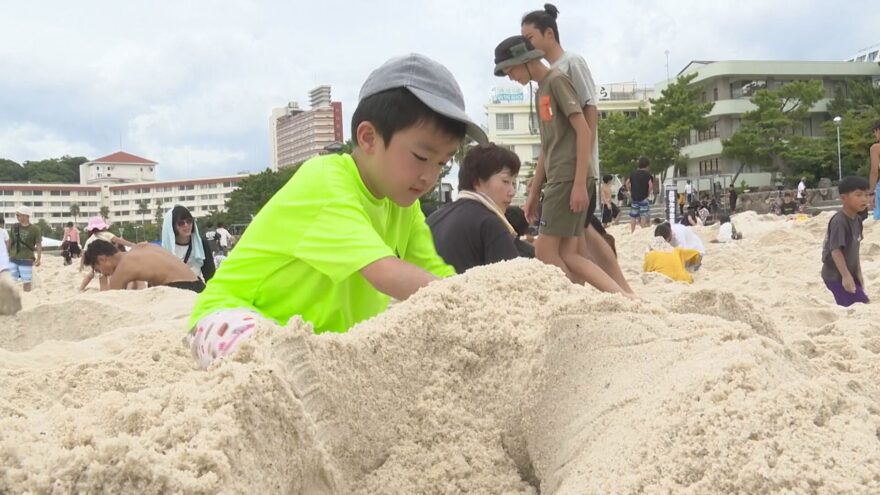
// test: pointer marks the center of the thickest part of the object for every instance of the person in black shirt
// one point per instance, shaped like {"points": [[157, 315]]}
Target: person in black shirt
{"points": [[732, 197], [473, 230], [516, 217], [788, 207], [640, 184]]}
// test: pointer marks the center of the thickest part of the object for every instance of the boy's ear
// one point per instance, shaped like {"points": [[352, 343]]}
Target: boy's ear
{"points": [[367, 136]]}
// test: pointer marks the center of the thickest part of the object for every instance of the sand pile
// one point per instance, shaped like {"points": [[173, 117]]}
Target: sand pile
{"points": [[504, 380]]}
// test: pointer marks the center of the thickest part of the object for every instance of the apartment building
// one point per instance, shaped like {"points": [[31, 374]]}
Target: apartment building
{"points": [[121, 182], [869, 54], [296, 135], [731, 84]]}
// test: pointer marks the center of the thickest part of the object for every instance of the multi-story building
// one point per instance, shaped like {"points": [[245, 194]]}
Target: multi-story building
{"points": [[513, 120], [122, 183], [297, 135], [869, 54], [731, 84]]}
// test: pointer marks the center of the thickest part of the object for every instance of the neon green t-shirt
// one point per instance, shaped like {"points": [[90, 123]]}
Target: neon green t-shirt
{"points": [[303, 252]]}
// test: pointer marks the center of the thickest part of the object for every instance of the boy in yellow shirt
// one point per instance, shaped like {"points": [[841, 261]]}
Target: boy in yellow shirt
{"points": [[346, 233]]}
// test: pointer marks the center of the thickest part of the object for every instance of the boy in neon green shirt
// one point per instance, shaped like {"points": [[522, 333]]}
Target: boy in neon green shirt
{"points": [[346, 233]]}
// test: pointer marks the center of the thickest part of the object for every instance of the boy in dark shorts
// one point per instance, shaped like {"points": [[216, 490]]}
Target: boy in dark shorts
{"points": [[841, 268], [145, 262], [566, 145]]}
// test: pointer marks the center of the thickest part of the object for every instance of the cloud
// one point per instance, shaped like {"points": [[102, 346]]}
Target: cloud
{"points": [[191, 84], [28, 141]]}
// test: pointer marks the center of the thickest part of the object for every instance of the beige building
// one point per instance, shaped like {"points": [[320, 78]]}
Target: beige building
{"points": [[512, 118], [121, 182], [296, 135], [731, 84]]}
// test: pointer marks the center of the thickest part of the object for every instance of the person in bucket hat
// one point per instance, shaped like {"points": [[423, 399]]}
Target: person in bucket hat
{"points": [[566, 142], [25, 247], [346, 233]]}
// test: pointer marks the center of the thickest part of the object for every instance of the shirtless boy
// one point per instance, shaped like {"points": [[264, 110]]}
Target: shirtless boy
{"points": [[145, 262]]}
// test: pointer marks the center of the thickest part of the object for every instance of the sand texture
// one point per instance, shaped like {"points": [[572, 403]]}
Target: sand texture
{"points": [[506, 379]]}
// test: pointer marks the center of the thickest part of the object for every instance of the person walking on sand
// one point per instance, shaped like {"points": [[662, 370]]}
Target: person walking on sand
{"points": [[641, 182], [25, 248], [10, 301], [874, 172], [70, 244]]}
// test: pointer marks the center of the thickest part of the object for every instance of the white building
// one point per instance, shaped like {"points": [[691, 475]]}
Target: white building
{"points": [[124, 184], [731, 85], [869, 54]]}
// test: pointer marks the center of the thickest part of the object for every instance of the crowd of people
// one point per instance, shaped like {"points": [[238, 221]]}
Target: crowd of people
{"points": [[346, 233]]}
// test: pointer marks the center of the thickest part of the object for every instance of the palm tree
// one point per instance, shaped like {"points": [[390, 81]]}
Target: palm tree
{"points": [[74, 211], [143, 209], [105, 212]]}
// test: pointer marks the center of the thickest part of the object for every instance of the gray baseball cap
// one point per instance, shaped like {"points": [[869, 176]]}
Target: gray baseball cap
{"points": [[430, 82]]}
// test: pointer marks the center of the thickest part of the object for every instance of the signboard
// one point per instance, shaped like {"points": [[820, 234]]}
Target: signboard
{"points": [[671, 203], [508, 95], [604, 93]]}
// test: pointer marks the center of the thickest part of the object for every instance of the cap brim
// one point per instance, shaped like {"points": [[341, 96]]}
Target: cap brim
{"points": [[447, 109], [518, 60]]}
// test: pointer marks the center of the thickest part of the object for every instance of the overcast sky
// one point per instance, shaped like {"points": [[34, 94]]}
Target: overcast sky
{"points": [[190, 84]]}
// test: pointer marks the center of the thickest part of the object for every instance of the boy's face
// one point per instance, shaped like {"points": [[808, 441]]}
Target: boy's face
{"points": [[786, 199], [518, 73], [855, 201], [105, 265], [410, 165]]}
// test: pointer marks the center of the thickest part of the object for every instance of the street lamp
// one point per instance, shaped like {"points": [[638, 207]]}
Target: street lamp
{"points": [[839, 167]]}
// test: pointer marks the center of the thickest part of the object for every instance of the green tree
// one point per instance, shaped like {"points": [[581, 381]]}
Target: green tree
{"points": [[254, 191], [11, 171], [74, 211], [45, 228], [160, 213], [659, 135], [767, 136], [858, 107], [105, 212], [143, 209]]}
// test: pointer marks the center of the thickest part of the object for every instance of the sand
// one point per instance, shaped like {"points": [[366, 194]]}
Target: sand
{"points": [[507, 379]]}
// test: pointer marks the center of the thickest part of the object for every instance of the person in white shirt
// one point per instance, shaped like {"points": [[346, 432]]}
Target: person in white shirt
{"points": [[4, 235], [802, 192], [683, 236], [10, 300], [727, 231], [225, 239], [689, 192]]}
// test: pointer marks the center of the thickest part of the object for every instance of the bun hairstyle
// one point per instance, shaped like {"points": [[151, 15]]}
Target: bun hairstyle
{"points": [[544, 19]]}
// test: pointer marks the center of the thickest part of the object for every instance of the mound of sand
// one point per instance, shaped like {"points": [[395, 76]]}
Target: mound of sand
{"points": [[506, 379]]}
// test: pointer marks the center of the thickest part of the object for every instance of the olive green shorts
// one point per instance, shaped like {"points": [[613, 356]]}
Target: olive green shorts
{"points": [[557, 219]]}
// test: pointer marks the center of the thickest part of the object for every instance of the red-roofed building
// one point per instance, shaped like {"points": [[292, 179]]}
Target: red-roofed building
{"points": [[122, 182], [117, 168]]}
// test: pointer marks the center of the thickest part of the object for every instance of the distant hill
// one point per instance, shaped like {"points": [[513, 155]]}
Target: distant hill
{"points": [[64, 170]]}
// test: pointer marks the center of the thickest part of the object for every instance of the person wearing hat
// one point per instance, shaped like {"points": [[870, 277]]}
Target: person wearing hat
{"points": [[874, 153], [25, 247], [566, 147], [346, 233], [98, 228]]}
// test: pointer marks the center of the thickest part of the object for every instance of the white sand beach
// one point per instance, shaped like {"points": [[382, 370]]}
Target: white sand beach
{"points": [[506, 379]]}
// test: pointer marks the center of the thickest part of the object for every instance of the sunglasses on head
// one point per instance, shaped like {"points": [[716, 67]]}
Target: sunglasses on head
{"points": [[184, 221]]}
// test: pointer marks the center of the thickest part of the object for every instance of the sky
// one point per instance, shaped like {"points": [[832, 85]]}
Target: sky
{"points": [[191, 84]]}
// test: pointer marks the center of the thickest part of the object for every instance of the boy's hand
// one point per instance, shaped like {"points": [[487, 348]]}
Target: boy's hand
{"points": [[580, 198], [531, 208], [849, 284]]}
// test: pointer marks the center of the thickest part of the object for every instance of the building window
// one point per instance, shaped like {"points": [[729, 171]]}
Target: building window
{"points": [[715, 94], [504, 121], [534, 122], [536, 151], [709, 167], [746, 89], [603, 115]]}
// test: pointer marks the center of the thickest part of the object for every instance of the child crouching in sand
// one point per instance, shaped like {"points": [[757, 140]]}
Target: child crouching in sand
{"points": [[841, 267], [144, 262]]}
